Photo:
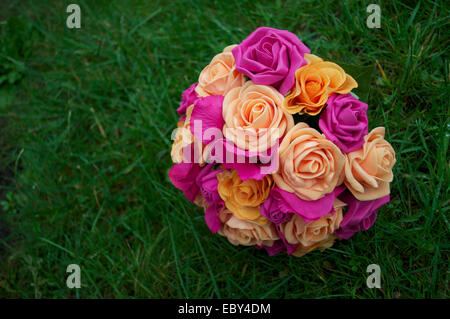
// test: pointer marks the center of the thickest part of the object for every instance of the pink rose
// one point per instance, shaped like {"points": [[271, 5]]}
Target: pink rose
{"points": [[282, 202], [272, 211], [360, 215], [344, 122], [182, 176], [188, 98], [270, 56]]}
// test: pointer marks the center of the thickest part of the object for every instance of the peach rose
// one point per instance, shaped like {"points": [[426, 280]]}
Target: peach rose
{"points": [[327, 243], [244, 197], [368, 171], [183, 138], [296, 231], [241, 232], [311, 166], [254, 117], [200, 201], [220, 75], [314, 82]]}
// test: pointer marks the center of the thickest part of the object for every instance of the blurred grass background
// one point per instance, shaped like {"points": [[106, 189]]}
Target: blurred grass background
{"points": [[86, 117]]}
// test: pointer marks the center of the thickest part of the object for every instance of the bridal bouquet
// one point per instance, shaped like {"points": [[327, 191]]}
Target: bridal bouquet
{"points": [[274, 146]]}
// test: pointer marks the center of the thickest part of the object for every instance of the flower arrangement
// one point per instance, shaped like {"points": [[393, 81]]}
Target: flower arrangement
{"points": [[275, 147]]}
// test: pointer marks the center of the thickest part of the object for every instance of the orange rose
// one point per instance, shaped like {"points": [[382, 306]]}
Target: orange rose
{"points": [[368, 171], [254, 117], [241, 232], [314, 82], [244, 197], [311, 166], [220, 75]]}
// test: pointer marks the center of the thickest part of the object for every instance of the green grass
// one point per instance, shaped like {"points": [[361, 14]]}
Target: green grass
{"points": [[86, 117]]}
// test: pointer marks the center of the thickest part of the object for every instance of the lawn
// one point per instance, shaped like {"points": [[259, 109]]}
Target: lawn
{"points": [[86, 119]]}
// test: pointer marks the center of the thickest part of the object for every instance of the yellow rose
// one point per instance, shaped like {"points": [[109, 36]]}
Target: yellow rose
{"points": [[243, 198], [314, 82], [220, 75], [368, 171], [241, 232]]}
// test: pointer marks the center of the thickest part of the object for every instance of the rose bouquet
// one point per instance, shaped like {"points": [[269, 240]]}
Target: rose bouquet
{"points": [[275, 147]]}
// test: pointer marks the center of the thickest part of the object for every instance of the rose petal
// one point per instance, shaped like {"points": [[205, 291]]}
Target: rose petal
{"points": [[207, 114]]}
